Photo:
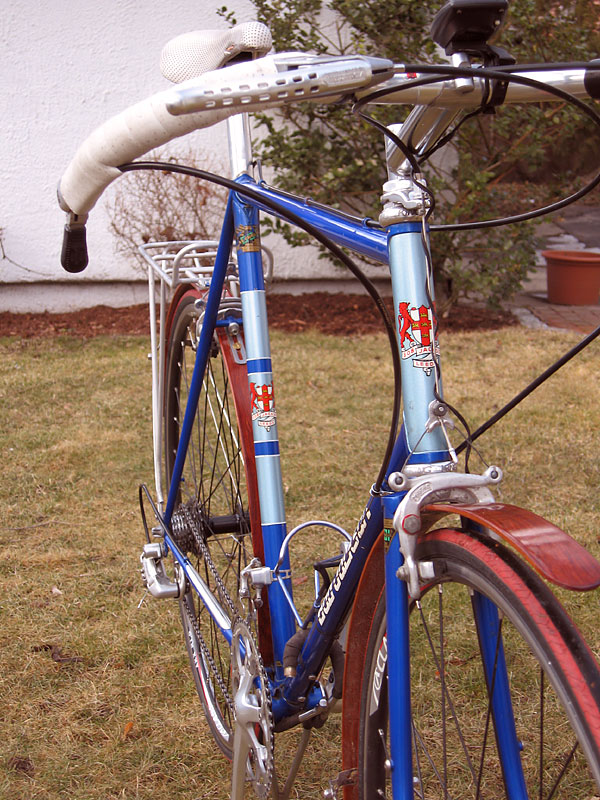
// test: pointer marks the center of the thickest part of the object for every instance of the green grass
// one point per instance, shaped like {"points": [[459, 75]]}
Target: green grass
{"points": [[114, 713]]}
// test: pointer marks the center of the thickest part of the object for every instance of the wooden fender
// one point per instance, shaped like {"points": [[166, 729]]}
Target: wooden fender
{"points": [[549, 550], [553, 553], [368, 592]]}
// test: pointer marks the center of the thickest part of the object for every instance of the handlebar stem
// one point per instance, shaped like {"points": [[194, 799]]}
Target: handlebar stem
{"points": [[420, 131]]}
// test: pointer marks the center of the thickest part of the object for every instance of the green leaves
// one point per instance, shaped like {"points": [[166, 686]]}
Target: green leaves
{"points": [[500, 164]]}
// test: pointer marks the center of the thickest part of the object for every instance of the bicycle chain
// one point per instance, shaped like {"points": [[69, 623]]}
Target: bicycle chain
{"points": [[209, 659], [194, 526], [192, 523]]}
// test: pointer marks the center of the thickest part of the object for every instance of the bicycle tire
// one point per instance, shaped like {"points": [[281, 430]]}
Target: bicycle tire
{"points": [[218, 490], [449, 692]]}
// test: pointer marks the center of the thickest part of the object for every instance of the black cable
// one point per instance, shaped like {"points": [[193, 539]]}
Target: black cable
{"points": [[530, 388], [451, 134], [434, 358], [408, 153], [405, 149], [503, 74], [296, 220]]}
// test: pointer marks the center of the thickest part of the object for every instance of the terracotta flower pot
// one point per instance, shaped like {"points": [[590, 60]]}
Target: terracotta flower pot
{"points": [[573, 277]]}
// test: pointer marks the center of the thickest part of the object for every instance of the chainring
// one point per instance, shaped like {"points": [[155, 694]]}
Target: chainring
{"points": [[252, 706]]}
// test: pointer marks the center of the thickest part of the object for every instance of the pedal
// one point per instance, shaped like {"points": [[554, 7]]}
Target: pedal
{"points": [[154, 577]]}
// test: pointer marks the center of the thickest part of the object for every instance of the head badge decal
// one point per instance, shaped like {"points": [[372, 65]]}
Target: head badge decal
{"points": [[416, 329]]}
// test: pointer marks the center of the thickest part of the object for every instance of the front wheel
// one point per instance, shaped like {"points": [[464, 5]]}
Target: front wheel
{"points": [[537, 671]]}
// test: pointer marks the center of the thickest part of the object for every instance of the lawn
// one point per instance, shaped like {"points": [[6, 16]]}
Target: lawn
{"points": [[97, 703]]}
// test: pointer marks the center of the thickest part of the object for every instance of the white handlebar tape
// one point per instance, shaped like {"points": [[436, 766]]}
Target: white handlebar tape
{"points": [[138, 129]]}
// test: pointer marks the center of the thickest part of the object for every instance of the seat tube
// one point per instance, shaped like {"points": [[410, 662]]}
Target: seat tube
{"points": [[260, 380], [262, 401], [414, 313]]}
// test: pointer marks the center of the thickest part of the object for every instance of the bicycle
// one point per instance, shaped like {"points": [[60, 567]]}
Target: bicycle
{"points": [[257, 665]]}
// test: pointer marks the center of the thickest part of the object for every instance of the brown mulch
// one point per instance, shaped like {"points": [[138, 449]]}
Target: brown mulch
{"points": [[339, 314]]}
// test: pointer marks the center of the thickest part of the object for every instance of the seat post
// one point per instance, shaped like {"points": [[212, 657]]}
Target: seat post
{"points": [[240, 144]]}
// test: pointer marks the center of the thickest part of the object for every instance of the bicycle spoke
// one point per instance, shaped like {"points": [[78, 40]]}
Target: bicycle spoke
{"points": [[213, 519], [224, 406], [432, 764], [492, 691], [563, 771], [446, 693]]}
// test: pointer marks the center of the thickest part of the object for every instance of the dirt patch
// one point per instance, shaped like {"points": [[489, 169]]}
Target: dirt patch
{"points": [[347, 314], [337, 314]]}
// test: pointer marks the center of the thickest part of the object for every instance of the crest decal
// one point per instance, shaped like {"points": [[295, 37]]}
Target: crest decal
{"points": [[417, 341], [263, 405]]}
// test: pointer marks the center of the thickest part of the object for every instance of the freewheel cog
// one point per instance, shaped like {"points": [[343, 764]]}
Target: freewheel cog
{"points": [[253, 733]]}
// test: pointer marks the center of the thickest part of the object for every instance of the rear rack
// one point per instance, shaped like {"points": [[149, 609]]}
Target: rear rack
{"points": [[169, 265]]}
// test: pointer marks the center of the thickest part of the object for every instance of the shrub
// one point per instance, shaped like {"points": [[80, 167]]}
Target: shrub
{"points": [[504, 163], [163, 206]]}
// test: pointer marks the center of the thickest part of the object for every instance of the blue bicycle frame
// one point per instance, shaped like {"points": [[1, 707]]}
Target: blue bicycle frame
{"points": [[403, 246]]}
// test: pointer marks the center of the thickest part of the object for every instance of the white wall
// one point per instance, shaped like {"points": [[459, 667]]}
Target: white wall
{"points": [[67, 67]]}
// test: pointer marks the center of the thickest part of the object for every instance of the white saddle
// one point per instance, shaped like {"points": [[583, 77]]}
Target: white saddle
{"points": [[194, 53]]}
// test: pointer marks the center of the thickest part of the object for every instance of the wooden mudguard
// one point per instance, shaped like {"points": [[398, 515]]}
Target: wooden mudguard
{"points": [[367, 594], [549, 550]]}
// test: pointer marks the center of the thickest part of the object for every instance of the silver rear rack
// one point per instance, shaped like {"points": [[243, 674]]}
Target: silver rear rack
{"points": [[184, 261], [171, 264]]}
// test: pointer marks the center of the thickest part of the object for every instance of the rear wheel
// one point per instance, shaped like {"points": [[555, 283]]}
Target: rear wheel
{"points": [[217, 505], [552, 683]]}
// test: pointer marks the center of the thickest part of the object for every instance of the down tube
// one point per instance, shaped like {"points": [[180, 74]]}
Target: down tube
{"points": [[264, 417]]}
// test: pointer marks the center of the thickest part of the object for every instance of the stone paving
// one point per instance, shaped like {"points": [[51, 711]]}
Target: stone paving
{"points": [[536, 312], [574, 228]]}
